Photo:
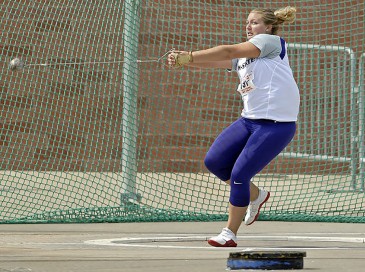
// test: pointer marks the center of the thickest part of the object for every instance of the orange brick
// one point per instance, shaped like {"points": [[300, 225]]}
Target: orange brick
{"points": [[14, 50], [77, 110], [52, 25]]}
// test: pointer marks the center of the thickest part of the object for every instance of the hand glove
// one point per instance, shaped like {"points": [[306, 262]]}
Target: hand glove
{"points": [[182, 58]]}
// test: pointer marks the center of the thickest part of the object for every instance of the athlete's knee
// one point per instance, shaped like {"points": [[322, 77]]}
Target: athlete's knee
{"points": [[214, 165]]}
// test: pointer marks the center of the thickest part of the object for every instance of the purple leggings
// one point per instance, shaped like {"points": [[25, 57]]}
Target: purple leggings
{"points": [[243, 149]]}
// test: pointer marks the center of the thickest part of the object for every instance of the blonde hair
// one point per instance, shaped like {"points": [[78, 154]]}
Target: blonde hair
{"points": [[277, 17]]}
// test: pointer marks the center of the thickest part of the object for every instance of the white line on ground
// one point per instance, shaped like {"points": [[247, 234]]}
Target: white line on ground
{"points": [[153, 242]]}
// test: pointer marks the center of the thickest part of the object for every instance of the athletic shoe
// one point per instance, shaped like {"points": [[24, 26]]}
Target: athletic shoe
{"points": [[254, 207], [225, 239]]}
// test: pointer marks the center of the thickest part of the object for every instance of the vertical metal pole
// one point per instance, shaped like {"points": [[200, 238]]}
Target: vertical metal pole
{"points": [[361, 122], [130, 90], [354, 125]]}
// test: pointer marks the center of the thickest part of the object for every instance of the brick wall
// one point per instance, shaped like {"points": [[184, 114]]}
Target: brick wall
{"points": [[70, 118]]}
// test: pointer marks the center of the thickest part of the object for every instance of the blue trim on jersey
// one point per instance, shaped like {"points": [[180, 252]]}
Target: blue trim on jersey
{"points": [[283, 50]]}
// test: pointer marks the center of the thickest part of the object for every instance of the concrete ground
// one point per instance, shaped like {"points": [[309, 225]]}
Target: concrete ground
{"points": [[172, 246]]}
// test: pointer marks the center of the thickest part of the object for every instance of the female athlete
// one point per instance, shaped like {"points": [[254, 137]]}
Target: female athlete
{"points": [[268, 120]]}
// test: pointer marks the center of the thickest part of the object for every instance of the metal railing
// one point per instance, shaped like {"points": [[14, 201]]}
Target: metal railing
{"points": [[331, 121]]}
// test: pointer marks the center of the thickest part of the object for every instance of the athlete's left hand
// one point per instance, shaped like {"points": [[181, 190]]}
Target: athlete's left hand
{"points": [[179, 58]]}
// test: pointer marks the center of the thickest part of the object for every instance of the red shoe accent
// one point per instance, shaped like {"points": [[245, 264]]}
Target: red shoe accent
{"points": [[258, 212], [229, 243]]}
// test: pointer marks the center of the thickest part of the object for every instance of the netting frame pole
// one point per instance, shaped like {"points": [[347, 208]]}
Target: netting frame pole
{"points": [[354, 126], [361, 105], [131, 29]]}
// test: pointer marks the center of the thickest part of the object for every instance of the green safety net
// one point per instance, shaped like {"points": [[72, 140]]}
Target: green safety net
{"points": [[96, 127]]}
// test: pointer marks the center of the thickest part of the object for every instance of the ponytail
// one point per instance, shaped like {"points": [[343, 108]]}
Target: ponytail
{"points": [[277, 17]]}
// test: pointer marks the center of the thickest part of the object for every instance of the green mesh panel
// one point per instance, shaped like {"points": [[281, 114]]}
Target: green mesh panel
{"points": [[124, 141]]}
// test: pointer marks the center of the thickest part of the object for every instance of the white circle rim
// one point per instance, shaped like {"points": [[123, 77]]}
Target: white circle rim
{"points": [[149, 242]]}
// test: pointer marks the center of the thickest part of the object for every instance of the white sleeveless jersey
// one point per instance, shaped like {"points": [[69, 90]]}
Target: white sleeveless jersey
{"points": [[267, 85]]}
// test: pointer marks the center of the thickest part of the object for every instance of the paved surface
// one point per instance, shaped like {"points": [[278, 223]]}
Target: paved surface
{"points": [[172, 246]]}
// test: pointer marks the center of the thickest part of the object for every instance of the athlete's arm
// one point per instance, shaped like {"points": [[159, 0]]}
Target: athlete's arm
{"points": [[225, 64], [226, 52]]}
